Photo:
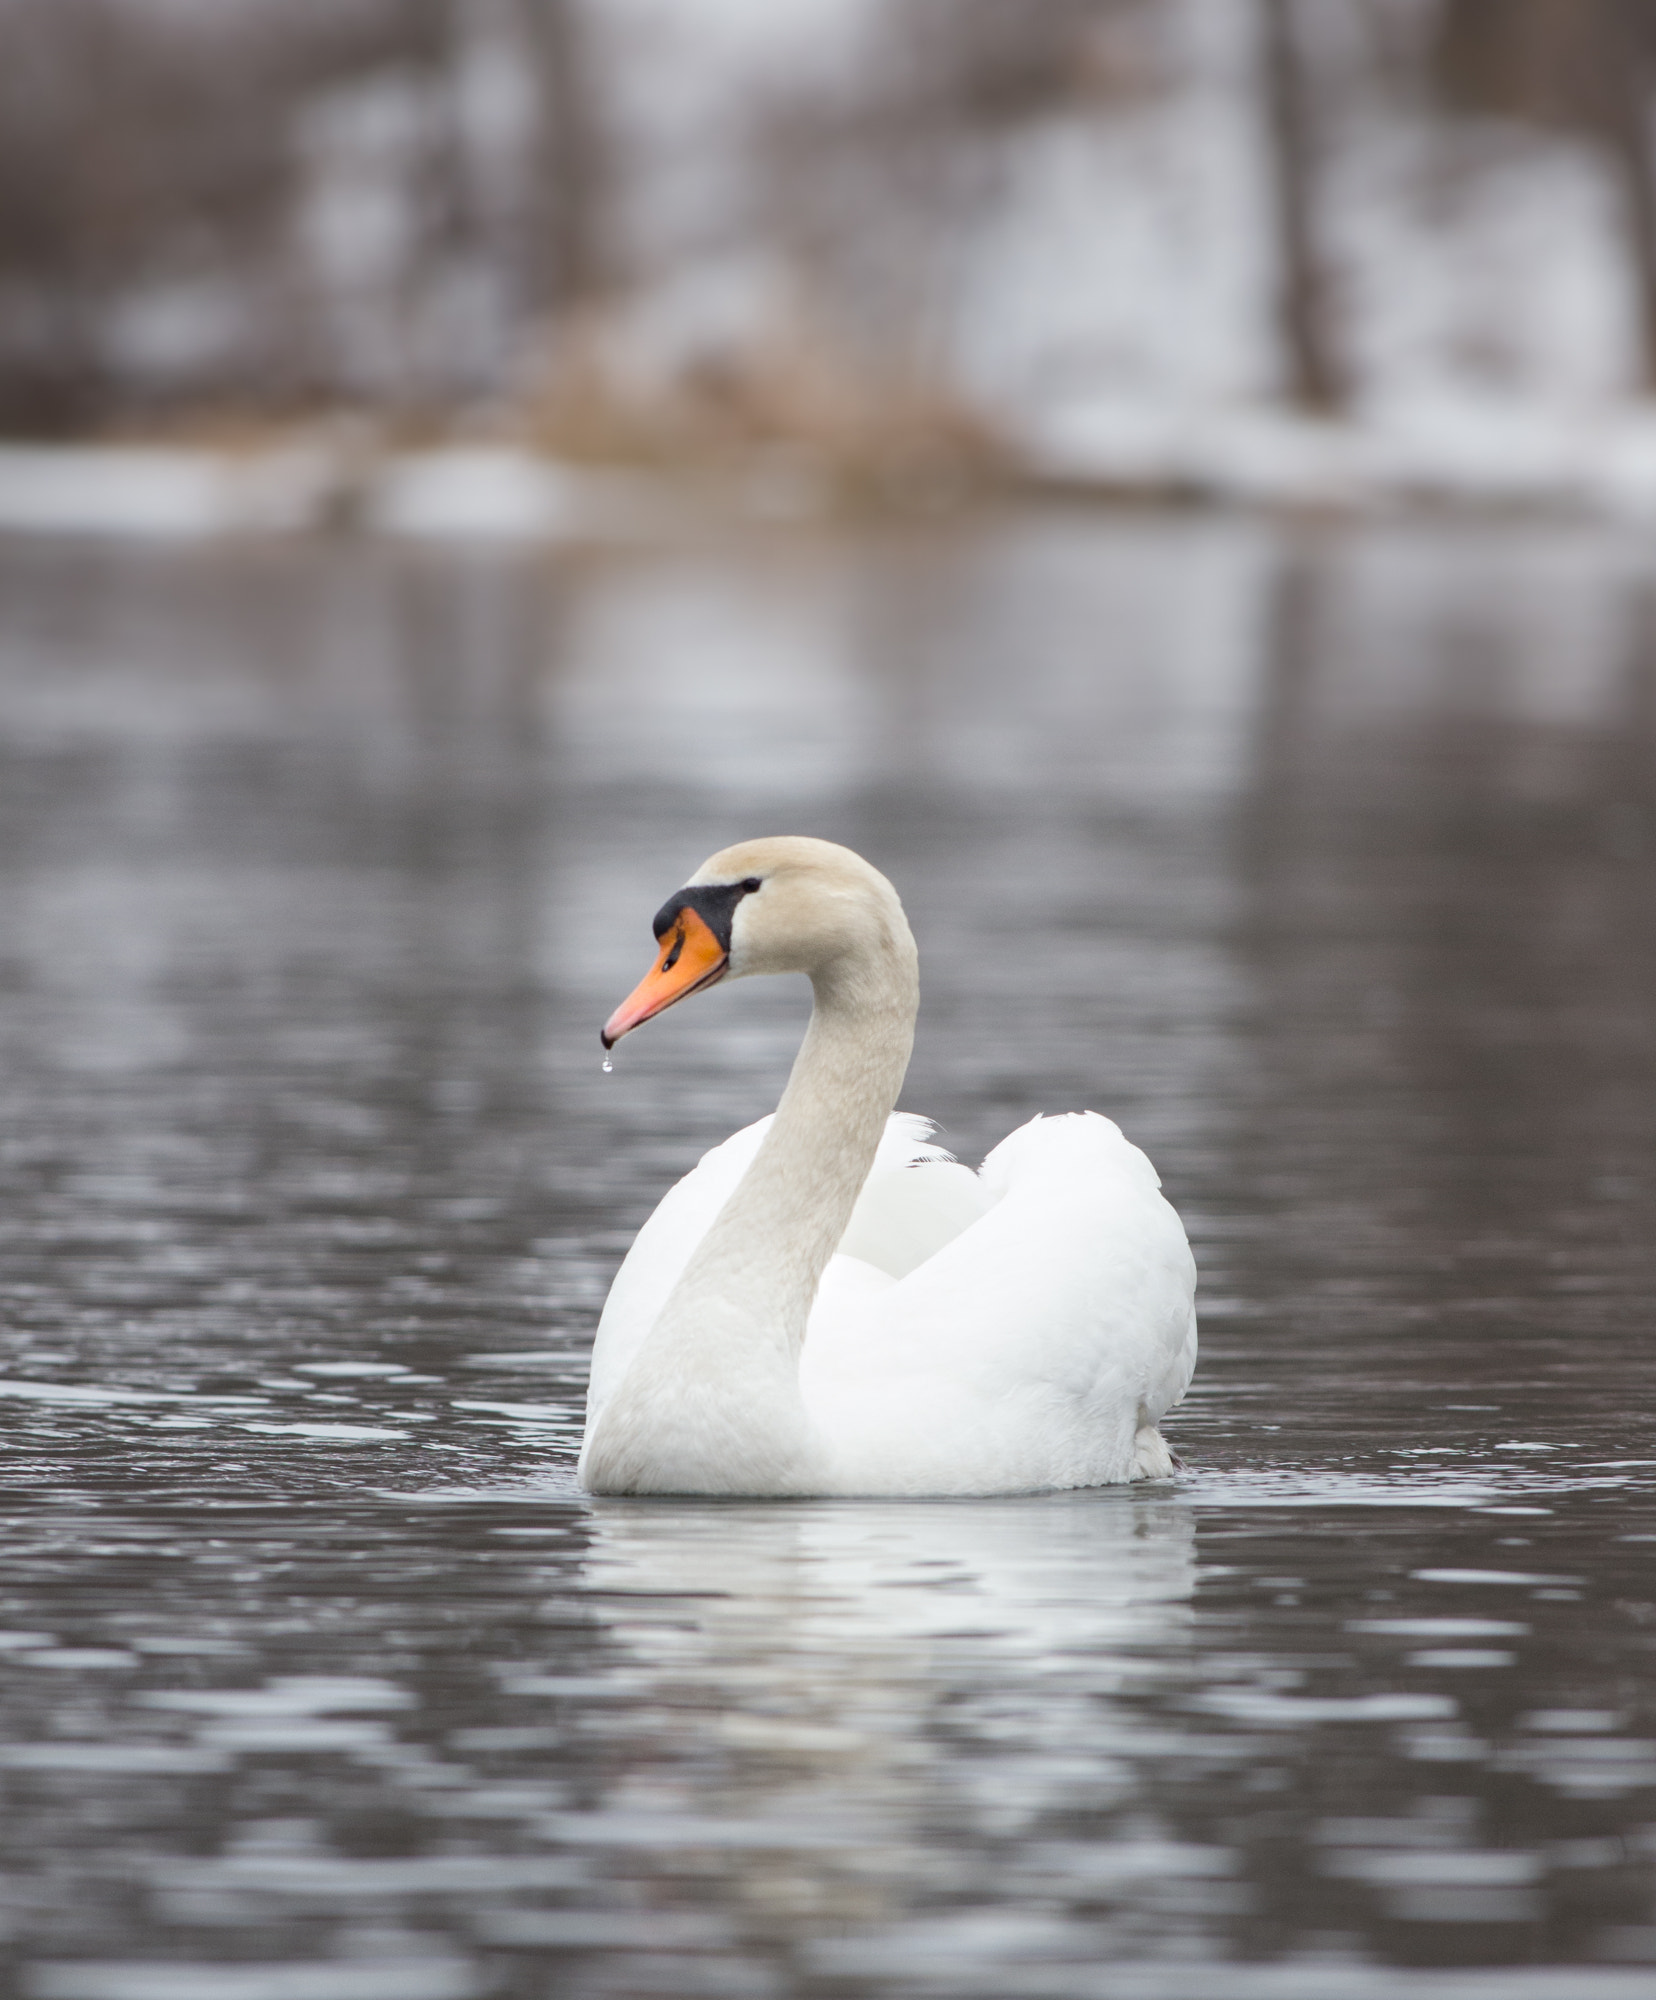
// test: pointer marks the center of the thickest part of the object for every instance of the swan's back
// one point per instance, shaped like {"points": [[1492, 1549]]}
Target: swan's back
{"points": [[1039, 1348], [1024, 1327]]}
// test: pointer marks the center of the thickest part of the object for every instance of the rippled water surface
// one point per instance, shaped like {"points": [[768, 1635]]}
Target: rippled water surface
{"points": [[1325, 864]]}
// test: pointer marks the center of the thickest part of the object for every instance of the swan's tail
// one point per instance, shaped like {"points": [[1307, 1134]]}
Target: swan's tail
{"points": [[1151, 1457]]}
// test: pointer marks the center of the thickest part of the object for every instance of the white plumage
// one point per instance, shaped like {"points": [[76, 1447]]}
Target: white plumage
{"points": [[940, 1332], [1000, 1332]]}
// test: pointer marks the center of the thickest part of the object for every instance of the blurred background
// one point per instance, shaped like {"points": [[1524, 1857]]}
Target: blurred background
{"points": [[1172, 481], [1272, 250]]}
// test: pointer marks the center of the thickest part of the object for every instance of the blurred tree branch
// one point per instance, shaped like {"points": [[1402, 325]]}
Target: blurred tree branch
{"points": [[128, 149], [1624, 26], [874, 177], [1302, 291], [1582, 66], [575, 262]]}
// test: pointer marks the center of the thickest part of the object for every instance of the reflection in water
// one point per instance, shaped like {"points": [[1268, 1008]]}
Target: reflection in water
{"points": [[1447, 897], [846, 1682], [1324, 862], [1029, 1584]]}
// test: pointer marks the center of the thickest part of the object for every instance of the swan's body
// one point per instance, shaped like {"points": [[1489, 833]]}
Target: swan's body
{"points": [[828, 1305]]}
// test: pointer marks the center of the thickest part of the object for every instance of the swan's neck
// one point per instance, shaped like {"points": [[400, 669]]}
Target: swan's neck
{"points": [[772, 1241], [712, 1403]]}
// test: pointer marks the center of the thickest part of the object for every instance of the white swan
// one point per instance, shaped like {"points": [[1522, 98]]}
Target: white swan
{"points": [[829, 1305]]}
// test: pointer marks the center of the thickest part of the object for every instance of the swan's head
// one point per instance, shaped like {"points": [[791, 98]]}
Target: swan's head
{"points": [[788, 904]]}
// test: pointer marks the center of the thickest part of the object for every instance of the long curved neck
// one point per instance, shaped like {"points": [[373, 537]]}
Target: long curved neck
{"points": [[774, 1236], [711, 1402]]}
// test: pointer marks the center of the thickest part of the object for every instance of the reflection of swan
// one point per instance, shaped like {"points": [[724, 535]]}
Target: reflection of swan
{"points": [[1020, 1330], [959, 1585], [843, 1707]]}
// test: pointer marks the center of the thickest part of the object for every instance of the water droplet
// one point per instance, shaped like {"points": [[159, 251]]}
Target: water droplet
{"points": [[608, 1065]]}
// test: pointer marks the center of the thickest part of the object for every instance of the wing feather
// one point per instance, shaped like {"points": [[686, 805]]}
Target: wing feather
{"points": [[1031, 1348]]}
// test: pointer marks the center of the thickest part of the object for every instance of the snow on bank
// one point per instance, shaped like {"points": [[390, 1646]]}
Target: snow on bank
{"points": [[1452, 453], [1456, 453], [494, 494], [155, 494]]}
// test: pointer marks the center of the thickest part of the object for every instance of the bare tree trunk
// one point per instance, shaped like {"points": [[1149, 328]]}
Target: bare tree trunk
{"points": [[1627, 137], [439, 199], [1314, 380], [573, 265]]}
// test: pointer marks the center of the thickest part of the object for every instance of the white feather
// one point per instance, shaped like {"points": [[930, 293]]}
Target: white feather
{"points": [[1003, 1331]]}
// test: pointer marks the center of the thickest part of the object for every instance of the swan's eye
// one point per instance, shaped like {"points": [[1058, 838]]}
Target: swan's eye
{"points": [[753, 882]]}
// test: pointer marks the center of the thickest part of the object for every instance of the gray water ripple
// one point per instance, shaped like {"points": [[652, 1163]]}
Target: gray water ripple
{"points": [[319, 1679]]}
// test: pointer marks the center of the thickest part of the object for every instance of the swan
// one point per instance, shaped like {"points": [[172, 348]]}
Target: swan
{"points": [[829, 1304]]}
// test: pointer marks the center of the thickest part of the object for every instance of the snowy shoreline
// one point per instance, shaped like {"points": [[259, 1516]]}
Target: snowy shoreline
{"points": [[309, 486], [1460, 456]]}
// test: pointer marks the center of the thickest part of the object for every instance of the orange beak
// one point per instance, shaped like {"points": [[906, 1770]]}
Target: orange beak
{"points": [[691, 958]]}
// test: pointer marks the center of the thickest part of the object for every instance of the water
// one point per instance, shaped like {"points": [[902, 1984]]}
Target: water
{"points": [[1323, 862]]}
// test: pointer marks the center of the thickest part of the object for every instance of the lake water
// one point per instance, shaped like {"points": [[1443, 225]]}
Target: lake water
{"points": [[1323, 861]]}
